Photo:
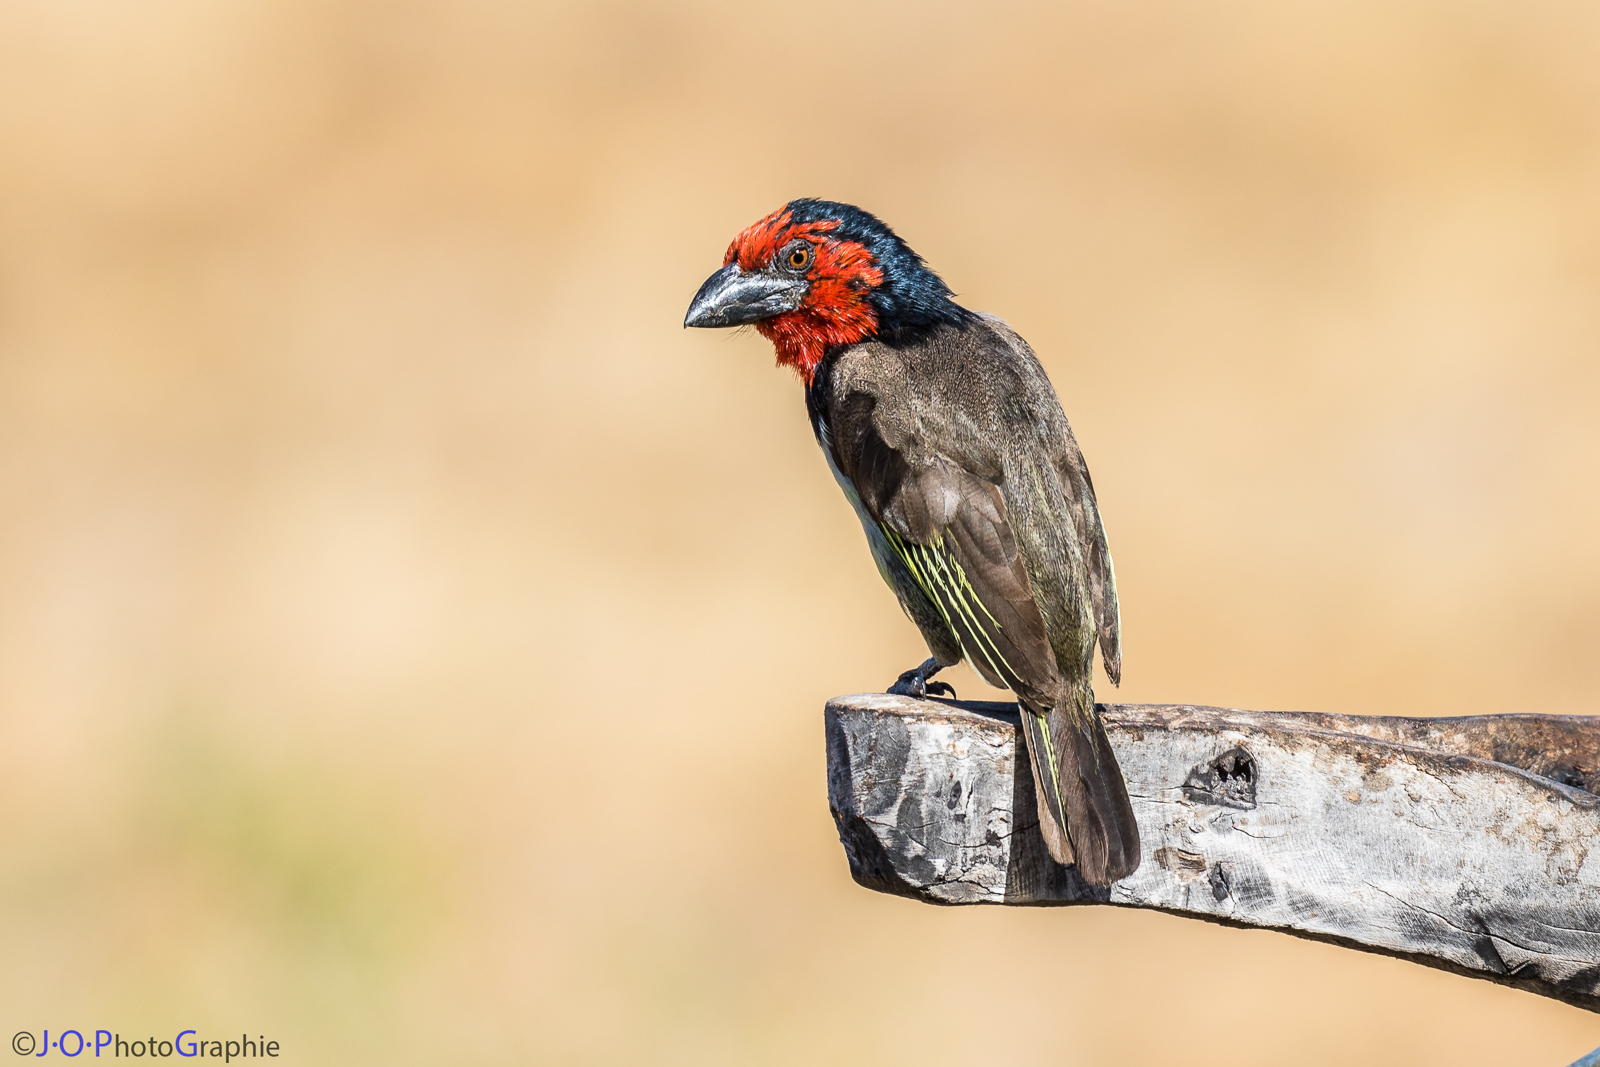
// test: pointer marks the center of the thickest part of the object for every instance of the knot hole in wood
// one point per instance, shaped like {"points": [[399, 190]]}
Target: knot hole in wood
{"points": [[1228, 780]]}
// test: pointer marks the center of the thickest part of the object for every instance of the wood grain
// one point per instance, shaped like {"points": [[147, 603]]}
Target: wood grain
{"points": [[1458, 843]]}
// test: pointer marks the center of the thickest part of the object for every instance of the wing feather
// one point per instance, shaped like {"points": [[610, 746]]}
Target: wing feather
{"points": [[967, 473], [1074, 474]]}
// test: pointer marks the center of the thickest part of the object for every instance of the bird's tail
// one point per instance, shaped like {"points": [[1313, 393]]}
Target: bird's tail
{"points": [[1084, 811]]}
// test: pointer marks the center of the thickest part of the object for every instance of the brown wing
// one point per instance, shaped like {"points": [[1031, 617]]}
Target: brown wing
{"points": [[978, 397], [948, 527], [1075, 480]]}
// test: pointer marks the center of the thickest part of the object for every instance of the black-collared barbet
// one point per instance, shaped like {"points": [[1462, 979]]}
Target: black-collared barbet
{"points": [[948, 439]]}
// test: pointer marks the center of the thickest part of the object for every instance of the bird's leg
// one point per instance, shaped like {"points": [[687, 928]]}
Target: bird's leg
{"points": [[915, 683]]}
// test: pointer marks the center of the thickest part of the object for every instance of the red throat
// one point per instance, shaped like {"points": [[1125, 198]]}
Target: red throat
{"points": [[836, 310]]}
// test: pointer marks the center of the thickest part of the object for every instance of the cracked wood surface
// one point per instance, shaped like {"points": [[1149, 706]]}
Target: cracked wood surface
{"points": [[1459, 843]]}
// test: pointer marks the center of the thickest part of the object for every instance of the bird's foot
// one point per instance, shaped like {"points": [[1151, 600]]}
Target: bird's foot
{"points": [[914, 683]]}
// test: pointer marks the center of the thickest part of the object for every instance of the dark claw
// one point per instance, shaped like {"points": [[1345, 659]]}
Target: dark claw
{"points": [[943, 689], [912, 684], [915, 683]]}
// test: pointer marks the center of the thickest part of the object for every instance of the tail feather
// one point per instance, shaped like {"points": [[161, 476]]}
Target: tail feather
{"points": [[1046, 775], [1084, 811]]}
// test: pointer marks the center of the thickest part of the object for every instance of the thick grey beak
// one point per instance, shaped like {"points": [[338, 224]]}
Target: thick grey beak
{"points": [[731, 297]]}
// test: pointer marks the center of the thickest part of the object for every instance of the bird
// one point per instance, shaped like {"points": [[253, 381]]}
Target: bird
{"points": [[950, 443]]}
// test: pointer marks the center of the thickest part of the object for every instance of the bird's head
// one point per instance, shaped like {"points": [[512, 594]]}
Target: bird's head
{"points": [[814, 275]]}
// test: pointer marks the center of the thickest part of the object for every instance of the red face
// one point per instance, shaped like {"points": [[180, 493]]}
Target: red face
{"points": [[836, 276]]}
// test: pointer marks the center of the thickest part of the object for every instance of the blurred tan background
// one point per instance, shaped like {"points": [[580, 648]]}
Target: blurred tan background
{"points": [[413, 644]]}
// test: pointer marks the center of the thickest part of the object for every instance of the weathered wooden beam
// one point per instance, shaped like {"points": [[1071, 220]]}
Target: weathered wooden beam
{"points": [[1459, 843]]}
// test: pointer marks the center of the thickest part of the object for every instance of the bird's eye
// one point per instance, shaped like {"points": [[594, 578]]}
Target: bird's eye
{"points": [[799, 258]]}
